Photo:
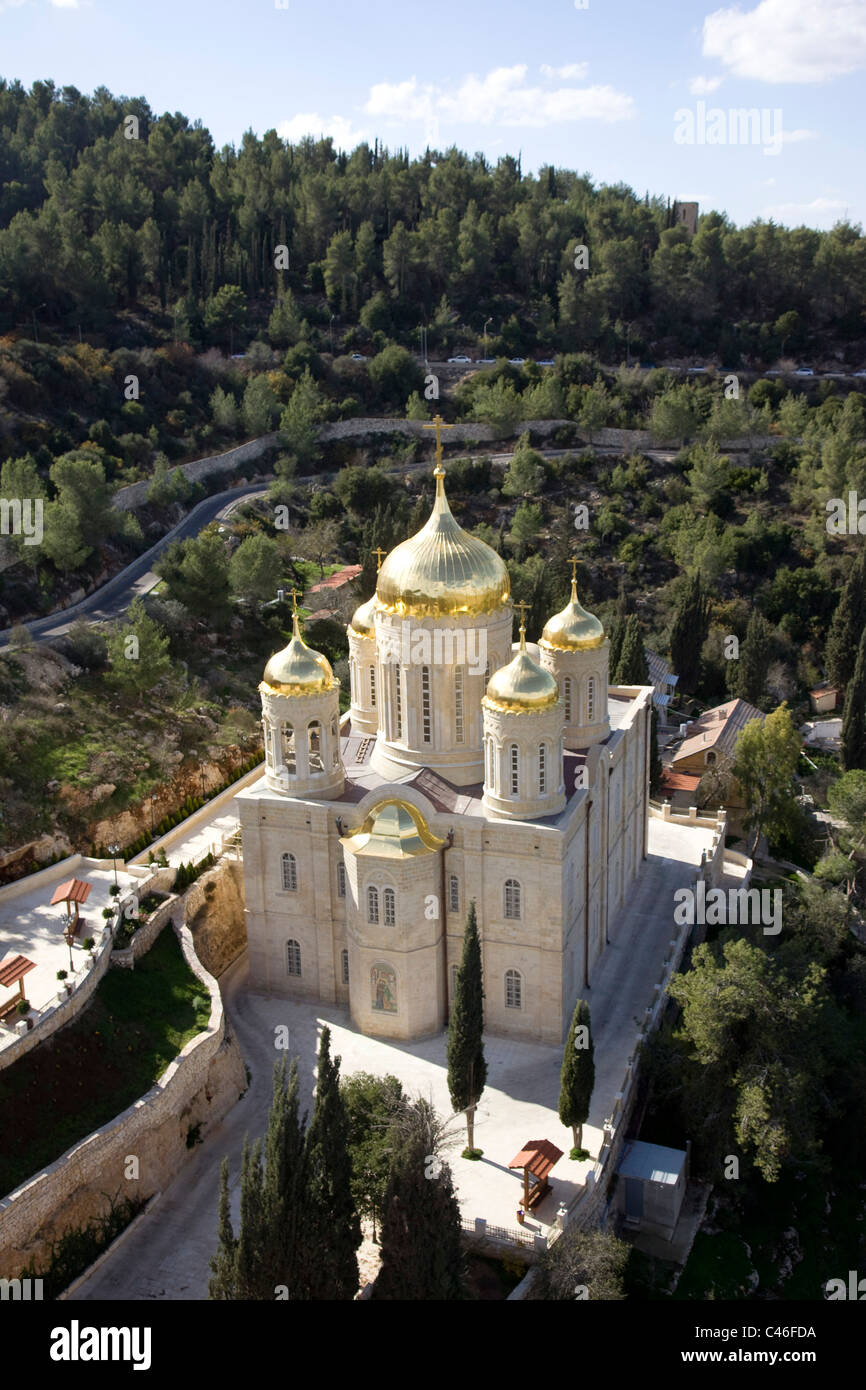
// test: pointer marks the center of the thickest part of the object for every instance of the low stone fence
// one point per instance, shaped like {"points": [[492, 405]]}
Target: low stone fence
{"points": [[211, 808], [135, 495], [198, 1087], [145, 935]]}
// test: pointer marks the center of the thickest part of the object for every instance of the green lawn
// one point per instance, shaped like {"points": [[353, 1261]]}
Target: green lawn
{"points": [[136, 1024]]}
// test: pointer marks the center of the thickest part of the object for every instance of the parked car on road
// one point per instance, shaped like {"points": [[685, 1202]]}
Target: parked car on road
{"points": [[460, 358]]}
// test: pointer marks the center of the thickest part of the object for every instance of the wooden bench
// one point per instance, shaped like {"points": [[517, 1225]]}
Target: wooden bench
{"points": [[9, 1007]]}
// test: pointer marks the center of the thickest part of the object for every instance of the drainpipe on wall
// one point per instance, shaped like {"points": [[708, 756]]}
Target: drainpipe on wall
{"points": [[444, 901], [586, 899]]}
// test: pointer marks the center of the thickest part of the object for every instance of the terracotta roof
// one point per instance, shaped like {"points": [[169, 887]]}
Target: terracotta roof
{"points": [[14, 968], [73, 891], [337, 579], [718, 728], [680, 781], [538, 1155]]}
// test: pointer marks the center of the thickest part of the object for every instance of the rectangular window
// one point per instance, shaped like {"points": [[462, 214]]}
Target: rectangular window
{"points": [[590, 700], [515, 773], [398, 699], [345, 964], [542, 769], [458, 704], [341, 880], [373, 686], [453, 894], [426, 723]]}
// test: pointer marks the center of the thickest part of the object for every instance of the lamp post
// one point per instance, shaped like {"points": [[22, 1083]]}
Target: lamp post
{"points": [[331, 332], [114, 850], [67, 919], [486, 321], [201, 775], [152, 806]]}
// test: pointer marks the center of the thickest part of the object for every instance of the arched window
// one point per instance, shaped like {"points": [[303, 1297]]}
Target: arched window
{"points": [[293, 958], [513, 989], [290, 873], [426, 720], [373, 906], [344, 964], [512, 899], [711, 758], [373, 686], [453, 894], [289, 760], [341, 880], [314, 746], [389, 907], [590, 700], [514, 758], [566, 695], [542, 768], [458, 704]]}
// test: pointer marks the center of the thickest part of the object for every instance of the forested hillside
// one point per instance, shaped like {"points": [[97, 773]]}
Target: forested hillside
{"points": [[99, 229]]}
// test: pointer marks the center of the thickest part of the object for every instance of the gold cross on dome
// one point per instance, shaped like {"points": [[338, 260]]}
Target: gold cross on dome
{"points": [[296, 594], [438, 425], [574, 569], [380, 555], [523, 607]]}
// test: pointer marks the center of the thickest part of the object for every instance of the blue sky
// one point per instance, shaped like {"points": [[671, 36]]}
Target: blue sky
{"points": [[603, 89]]}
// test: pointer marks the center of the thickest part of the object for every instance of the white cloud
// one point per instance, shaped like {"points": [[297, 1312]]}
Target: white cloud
{"points": [[11, 4], [796, 137], [789, 40], [500, 98], [310, 123], [702, 86], [65, 4], [571, 72], [821, 212]]}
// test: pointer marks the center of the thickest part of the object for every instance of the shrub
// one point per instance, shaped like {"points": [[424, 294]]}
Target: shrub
{"points": [[23, 1007], [88, 943], [62, 974]]}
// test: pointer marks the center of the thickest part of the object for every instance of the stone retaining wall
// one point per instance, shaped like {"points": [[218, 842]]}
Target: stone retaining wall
{"points": [[198, 1088]]}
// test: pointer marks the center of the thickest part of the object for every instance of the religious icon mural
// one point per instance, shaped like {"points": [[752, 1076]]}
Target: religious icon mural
{"points": [[383, 982]]}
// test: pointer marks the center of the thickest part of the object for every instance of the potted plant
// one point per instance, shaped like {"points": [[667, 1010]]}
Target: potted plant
{"points": [[24, 1011], [88, 943], [114, 889], [108, 913]]}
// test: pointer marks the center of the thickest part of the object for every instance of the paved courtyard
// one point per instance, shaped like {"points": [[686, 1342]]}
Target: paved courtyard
{"points": [[167, 1256], [29, 927]]}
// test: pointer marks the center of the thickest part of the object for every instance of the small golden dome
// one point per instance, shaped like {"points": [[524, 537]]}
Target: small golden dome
{"points": [[362, 621], [297, 669], [394, 830], [572, 630], [442, 571], [521, 687]]}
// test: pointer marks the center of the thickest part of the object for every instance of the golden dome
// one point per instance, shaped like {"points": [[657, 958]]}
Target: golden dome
{"points": [[394, 830], [521, 687], [442, 571], [572, 630], [362, 621], [297, 669]]}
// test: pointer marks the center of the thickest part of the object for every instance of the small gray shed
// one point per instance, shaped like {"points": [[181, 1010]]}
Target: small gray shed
{"points": [[652, 1187]]}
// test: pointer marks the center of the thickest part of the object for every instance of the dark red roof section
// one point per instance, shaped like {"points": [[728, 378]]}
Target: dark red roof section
{"points": [[14, 968], [538, 1155], [73, 891]]}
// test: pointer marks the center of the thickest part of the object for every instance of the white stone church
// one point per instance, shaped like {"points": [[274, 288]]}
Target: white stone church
{"points": [[467, 767]]}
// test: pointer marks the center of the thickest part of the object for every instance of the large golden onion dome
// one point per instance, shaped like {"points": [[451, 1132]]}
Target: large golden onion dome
{"points": [[362, 620], [572, 630], [521, 687], [297, 669], [442, 571]]}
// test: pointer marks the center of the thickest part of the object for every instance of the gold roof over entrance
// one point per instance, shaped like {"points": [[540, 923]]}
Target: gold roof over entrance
{"points": [[442, 571], [393, 830], [521, 687], [572, 630], [298, 669]]}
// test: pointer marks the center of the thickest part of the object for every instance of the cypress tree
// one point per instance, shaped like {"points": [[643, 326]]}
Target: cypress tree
{"points": [[422, 1256], [848, 622], [616, 635], [222, 1285], [285, 1187], [332, 1230], [633, 668], [749, 674], [854, 714], [655, 755], [688, 633], [577, 1077], [251, 1279], [467, 1069]]}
